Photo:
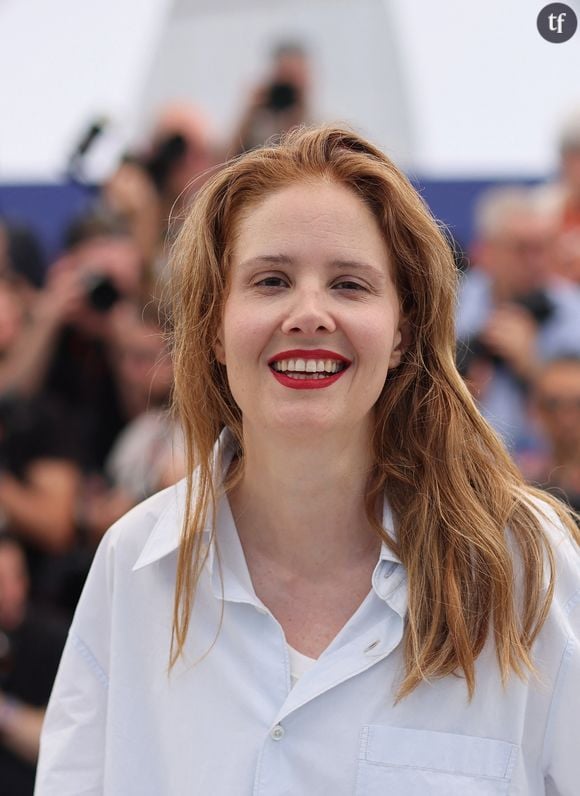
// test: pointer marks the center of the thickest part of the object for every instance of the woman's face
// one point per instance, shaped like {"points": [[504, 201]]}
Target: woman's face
{"points": [[310, 289]]}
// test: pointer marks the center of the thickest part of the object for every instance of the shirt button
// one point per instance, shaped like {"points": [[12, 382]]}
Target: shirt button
{"points": [[277, 733]]}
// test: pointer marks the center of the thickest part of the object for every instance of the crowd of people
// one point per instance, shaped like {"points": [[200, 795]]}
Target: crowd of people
{"points": [[518, 321], [86, 430]]}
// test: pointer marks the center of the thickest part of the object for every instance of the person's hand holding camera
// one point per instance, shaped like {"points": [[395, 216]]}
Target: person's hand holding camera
{"points": [[130, 192], [511, 334], [63, 296]]}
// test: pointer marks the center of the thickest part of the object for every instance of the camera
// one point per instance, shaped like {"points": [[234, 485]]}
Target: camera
{"points": [[537, 303], [101, 292], [167, 152], [281, 97]]}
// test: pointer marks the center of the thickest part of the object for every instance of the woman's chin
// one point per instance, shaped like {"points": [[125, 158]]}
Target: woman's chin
{"points": [[303, 424]]}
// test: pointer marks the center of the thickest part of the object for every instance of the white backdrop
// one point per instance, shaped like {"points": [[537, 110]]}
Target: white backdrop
{"points": [[450, 88], [488, 94], [218, 57]]}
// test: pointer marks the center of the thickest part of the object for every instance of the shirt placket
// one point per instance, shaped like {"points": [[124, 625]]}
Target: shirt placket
{"points": [[331, 671]]}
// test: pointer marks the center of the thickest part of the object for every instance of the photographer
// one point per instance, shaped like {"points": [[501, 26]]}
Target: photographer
{"points": [[64, 352], [60, 406], [149, 453], [513, 313], [38, 475], [555, 403], [278, 104], [151, 188]]}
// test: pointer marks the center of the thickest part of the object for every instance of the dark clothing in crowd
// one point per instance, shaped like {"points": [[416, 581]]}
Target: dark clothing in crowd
{"points": [[25, 255], [33, 430], [82, 378], [27, 671]]}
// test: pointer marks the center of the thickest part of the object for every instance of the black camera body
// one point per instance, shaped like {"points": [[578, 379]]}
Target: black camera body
{"points": [[101, 292], [537, 303], [167, 152], [281, 97]]}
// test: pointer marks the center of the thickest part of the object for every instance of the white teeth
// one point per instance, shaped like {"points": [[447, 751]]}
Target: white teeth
{"points": [[307, 375], [308, 366]]}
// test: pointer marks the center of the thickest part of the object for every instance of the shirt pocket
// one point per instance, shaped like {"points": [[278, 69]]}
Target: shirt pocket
{"points": [[394, 760]]}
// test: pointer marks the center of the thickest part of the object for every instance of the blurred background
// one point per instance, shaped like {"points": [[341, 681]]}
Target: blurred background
{"points": [[113, 114], [453, 94]]}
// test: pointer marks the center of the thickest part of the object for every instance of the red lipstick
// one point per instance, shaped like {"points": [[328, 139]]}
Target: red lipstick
{"points": [[312, 382]]}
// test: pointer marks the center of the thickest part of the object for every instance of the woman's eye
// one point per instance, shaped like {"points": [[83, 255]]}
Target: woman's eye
{"points": [[271, 281], [279, 281], [349, 286]]}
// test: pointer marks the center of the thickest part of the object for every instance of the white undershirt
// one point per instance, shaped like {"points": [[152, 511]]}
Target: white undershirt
{"points": [[299, 664]]}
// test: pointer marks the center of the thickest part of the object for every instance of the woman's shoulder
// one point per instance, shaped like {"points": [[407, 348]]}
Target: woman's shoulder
{"points": [[563, 543], [151, 525]]}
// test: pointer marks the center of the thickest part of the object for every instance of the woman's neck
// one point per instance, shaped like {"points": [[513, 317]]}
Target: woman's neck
{"points": [[301, 502]]}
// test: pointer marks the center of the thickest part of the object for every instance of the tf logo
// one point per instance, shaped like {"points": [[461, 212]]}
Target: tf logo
{"points": [[557, 23]]}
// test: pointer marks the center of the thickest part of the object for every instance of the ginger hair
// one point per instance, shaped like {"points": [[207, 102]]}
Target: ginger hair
{"points": [[453, 489]]}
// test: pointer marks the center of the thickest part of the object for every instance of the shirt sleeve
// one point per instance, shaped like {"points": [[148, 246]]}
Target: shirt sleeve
{"points": [[72, 742], [72, 746], [561, 746]]}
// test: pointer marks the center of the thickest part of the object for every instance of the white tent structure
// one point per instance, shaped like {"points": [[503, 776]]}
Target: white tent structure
{"points": [[448, 88]]}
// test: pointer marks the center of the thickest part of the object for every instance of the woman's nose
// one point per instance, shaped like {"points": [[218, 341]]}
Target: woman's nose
{"points": [[308, 313]]}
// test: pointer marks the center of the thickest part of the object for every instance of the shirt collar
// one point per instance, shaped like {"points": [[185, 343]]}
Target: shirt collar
{"points": [[165, 535], [166, 532], [386, 553], [389, 576]]}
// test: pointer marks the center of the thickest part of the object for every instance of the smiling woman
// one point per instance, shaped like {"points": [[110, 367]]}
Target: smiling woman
{"points": [[309, 266], [353, 591]]}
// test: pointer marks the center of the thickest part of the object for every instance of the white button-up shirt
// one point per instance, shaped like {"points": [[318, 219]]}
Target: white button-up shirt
{"points": [[226, 721]]}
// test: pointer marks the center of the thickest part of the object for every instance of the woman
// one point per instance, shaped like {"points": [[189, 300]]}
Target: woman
{"points": [[360, 594]]}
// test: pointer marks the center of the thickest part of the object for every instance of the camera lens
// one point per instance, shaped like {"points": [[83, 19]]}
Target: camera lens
{"points": [[102, 293]]}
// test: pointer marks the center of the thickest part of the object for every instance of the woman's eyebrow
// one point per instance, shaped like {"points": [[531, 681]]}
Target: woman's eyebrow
{"points": [[347, 265], [359, 265], [267, 259]]}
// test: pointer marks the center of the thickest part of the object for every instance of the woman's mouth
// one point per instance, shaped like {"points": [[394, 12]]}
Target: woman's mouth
{"points": [[304, 374]]}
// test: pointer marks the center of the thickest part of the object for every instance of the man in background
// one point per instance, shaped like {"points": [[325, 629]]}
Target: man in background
{"points": [[514, 313], [278, 104], [555, 401]]}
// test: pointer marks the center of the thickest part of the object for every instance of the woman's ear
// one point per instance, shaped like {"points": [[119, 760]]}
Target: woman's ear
{"points": [[219, 351], [400, 344], [218, 346]]}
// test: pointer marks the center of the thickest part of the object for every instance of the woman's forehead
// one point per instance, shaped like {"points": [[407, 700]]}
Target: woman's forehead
{"points": [[304, 216]]}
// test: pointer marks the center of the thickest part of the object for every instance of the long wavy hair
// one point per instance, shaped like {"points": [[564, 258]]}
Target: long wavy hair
{"points": [[452, 487]]}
